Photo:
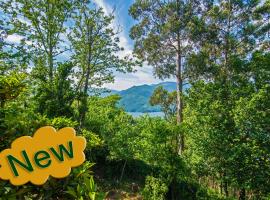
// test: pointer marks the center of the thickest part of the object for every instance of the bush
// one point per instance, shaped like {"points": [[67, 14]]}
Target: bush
{"points": [[155, 188]]}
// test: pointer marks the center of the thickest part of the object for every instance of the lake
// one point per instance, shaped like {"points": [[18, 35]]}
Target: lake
{"points": [[151, 114]]}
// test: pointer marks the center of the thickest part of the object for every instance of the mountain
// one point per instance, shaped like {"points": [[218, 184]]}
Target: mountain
{"points": [[136, 98]]}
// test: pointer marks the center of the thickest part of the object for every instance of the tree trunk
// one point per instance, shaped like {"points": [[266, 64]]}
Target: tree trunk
{"points": [[225, 184], [84, 98], [50, 62], [242, 194], [122, 172], [179, 107], [221, 188], [179, 104], [226, 189], [179, 87], [50, 45], [2, 104], [86, 85]]}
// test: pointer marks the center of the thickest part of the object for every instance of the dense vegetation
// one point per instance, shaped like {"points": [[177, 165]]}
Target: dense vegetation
{"points": [[214, 141]]}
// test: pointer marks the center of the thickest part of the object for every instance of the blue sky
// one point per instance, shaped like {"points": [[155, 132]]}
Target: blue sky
{"points": [[143, 75]]}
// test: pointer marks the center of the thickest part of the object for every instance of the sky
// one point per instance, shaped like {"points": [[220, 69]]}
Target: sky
{"points": [[144, 74]]}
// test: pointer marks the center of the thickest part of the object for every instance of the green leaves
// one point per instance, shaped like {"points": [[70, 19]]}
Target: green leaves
{"points": [[86, 187], [11, 86], [228, 31], [161, 27], [167, 101], [227, 130], [155, 188]]}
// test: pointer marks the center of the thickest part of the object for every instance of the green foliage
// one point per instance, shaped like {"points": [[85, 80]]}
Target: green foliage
{"points": [[86, 189], [230, 33], [11, 85], [219, 145], [258, 67], [55, 98], [252, 116], [61, 122], [155, 189], [161, 30], [153, 144], [93, 140], [100, 112], [167, 101]]}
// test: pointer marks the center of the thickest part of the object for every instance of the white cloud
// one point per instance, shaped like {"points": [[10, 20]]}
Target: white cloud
{"points": [[144, 75], [14, 38], [116, 25]]}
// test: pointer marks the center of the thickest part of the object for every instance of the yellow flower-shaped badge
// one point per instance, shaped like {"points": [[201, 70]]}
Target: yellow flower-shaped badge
{"points": [[47, 153]]}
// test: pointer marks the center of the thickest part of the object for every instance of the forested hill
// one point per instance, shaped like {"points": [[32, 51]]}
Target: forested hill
{"points": [[136, 98]]}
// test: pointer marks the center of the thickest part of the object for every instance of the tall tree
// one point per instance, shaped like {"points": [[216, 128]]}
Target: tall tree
{"points": [[166, 100], [42, 23], [163, 38], [41, 26], [96, 50], [231, 31]]}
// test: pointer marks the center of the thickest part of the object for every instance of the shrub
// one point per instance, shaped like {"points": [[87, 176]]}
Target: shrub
{"points": [[155, 188]]}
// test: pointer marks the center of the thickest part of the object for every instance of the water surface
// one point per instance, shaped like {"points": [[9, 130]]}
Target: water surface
{"points": [[151, 114]]}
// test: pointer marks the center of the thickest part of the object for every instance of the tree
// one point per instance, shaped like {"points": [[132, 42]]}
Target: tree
{"points": [[231, 31], [263, 15], [210, 128], [42, 27], [167, 101], [226, 134], [251, 116], [96, 50], [163, 38], [42, 23], [55, 99], [11, 85], [12, 71]]}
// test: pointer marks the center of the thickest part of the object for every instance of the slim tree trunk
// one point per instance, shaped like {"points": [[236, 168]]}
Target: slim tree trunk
{"points": [[2, 104], [122, 172], [221, 188], [225, 184], [86, 84], [84, 98], [50, 45], [242, 194], [50, 60], [179, 86], [226, 188], [179, 107]]}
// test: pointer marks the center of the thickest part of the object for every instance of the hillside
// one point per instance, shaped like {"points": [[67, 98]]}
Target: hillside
{"points": [[136, 98]]}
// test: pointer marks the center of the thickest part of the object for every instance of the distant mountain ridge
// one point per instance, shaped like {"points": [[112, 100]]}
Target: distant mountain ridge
{"points": [[136, 98]]}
